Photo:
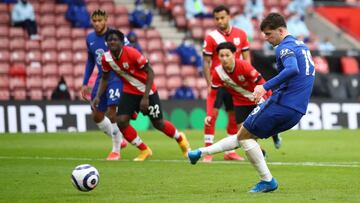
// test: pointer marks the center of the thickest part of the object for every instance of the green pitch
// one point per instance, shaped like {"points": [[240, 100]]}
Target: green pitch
{"points": [[311, 166]]}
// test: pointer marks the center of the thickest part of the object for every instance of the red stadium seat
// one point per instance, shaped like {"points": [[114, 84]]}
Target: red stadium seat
{"points": [[49, 83], [5, 83], [140, 33], [16, 32], [48, 44], [156, 57], [79, 70], [60, 9], [17, 82], [181, 22], [64, 56], [349, 65], [4, 94], [169, 45], [172, 69], [108, 7], [120, 10], [78, 83], [47, 20], [64, 45], [91, 7], [174, 82], [159, 69], [163, 93], [79, 45], [47, 8], [32, 45], [78, 33], [172, 58], [4, 43], [80, 57], [63, 32], [160, 81], [121, 21], [66, 69], [60, 21], [34, 68], [154, 45], [197, 33], [17, 56], [17, 44], [50, 69], [208, 23], [201, 83], [188, 70], [49, 57], [321, 65], [3, 8], [178, 10], [17, 70], [4, 55], [4, 30], [35, 94], [48, 32], [19, 94], [34, 82], [203, 93], [33, 56], [69, 79], [153, 34], [4, 70]]}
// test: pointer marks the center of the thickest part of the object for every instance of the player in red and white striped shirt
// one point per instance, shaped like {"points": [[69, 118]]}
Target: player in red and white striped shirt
{"points": [[139, 92], [223, 33]]}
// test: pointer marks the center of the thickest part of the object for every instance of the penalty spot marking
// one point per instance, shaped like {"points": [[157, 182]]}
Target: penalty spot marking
{"points": [[306, 164]]}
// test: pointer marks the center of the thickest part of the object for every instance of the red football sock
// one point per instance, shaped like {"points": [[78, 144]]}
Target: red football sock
{"points": [[170, 130], [210, 129], [130, 135], [232, 126]]}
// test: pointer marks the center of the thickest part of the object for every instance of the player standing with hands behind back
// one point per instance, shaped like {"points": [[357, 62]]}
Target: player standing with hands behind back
{"points": [[282, 111], [139, 93]]}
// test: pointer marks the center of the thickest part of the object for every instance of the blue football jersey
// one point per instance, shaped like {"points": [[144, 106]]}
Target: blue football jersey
{"points": [[96, 47], [296, 91]]}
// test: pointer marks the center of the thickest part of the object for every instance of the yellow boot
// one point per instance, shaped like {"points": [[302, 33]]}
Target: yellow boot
{"points": [[184, 145], [144, 154]]}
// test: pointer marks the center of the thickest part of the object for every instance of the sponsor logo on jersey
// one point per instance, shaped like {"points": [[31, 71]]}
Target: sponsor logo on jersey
{"points": [[125, 65], [237, 41]]}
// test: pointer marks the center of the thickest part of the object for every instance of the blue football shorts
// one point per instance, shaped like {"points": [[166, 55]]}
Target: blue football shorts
{"points": [[270, 118], [110, 97]]}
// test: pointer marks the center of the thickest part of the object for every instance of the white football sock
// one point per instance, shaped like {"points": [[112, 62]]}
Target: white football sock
{"points": [[208, 139], [225, 144], [106, 126], [230, 151], [117, 138], [256, 158]]}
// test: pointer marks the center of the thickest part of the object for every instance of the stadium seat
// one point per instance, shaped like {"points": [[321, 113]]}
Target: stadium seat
{"points": [[80, 57], [33, 56], [78, 81], [34, 68], [201, 83], [159, 69], [48, 44], [64, 45], [181, 22], [188, 70], [321, 65], [349, 65], [16, 32], [337, 86], [108, 7], [63, 32], [120, 10], [70, 82], [66, 69], [78, 33], [203, 93], [140, 33], [17, 56], [160, 81], [4, 70], [60, 21], [178, 10], [32, 45], [172, 69], [36, 94], [19, 94], [47, 20], [49, 83], [79, 45], [353, 86], [50, 69], [5, 83], [154, 45], [208, 23], [64, 56], [4, 30], [4, 94], [60, 9], [197, 33], [17, 70], [169, 45], [4, 43], [153, 34], [163, 93], [156, 57], [49, 57], [17, 44], [47, 8], [47, 32], [172, 58], [3, 8], [17, 82], [143, 43], [320, 89], [79, 70], [92, 6], [33, 82], [173, 82], [4, 55]]}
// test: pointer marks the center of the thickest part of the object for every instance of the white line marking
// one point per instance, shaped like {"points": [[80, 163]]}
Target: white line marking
{"points": [[310, 164]]}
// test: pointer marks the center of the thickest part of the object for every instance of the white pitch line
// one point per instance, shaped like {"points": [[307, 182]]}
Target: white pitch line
{"points": [[309, 164]]}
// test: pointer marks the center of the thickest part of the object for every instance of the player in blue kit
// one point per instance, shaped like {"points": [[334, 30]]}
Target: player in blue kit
{"points": [[96, 46], [281, 111]]}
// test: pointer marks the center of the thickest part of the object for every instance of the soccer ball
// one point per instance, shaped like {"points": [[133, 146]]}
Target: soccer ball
{"points": [[85, 177]]}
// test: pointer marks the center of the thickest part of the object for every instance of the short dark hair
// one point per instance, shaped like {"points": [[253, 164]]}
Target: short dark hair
{"points": [[221, 8], [226, 45], [115, 32], [99, 12], [272, 22]]}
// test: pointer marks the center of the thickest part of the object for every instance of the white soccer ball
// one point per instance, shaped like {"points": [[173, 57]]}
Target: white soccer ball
{"points": [[85, 177]]}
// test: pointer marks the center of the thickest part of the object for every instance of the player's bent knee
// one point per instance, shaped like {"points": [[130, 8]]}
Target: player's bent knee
{"points": [[158, 124], [248, 144], [98, 116]]}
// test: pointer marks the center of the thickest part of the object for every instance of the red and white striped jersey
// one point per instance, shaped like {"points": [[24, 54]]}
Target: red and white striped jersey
{"points": [[235, 35], [129, 68], [240, 83]]}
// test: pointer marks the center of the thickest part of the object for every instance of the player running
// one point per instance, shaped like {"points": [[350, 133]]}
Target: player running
{"points": [[282, 110], [96, 46], [139, 93]]}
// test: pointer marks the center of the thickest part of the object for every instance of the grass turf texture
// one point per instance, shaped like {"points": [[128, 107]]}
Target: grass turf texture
{"points": [[37, 168]]}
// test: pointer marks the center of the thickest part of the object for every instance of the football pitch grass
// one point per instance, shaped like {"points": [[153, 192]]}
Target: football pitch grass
{"points": [[311, 166]]}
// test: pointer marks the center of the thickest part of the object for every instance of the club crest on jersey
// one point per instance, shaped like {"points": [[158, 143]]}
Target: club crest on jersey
{"points": [[241, 78], [125, 65], [237, 41]]}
